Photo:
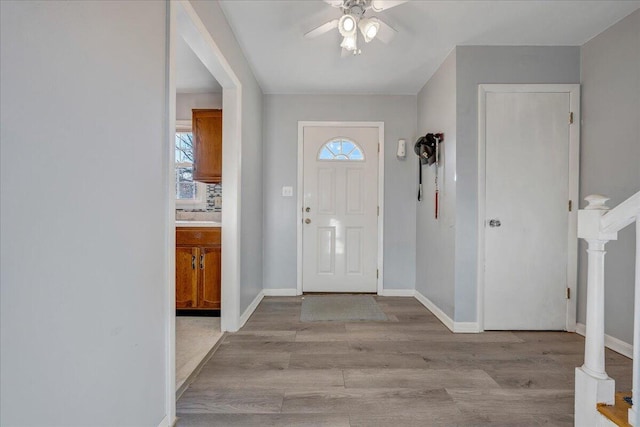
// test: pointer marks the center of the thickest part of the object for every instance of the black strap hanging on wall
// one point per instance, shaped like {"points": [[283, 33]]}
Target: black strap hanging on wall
{"points": [[419, 180]]}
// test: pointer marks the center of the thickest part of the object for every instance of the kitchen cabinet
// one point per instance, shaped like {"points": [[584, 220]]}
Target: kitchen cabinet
{"points": [[198, 265], [207, 145]]}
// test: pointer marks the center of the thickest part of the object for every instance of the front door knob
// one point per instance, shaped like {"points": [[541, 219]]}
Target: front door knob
{"points": [[307, 221]]}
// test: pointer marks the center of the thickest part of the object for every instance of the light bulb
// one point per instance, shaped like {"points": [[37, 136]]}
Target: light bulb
{"points": [[369, 28], [347, 25]]}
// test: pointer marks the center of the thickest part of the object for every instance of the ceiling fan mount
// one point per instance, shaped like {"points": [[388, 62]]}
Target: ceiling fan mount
{"points": [[353, 19]]}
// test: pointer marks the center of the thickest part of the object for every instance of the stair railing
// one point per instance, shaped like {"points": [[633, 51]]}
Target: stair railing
{"points": [[597, 225]]}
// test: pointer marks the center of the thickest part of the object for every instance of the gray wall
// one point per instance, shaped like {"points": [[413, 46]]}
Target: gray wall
{"points": [[490, 64], [251, 181], [281, 116], [610, 158], [435, 244], [185, 102], [83, 306]]}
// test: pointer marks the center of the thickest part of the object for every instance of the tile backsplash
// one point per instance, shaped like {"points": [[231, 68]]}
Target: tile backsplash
{"points": [[214, 200]]}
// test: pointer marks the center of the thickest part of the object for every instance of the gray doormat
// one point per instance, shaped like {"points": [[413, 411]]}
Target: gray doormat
{"points": [[340, 308]]}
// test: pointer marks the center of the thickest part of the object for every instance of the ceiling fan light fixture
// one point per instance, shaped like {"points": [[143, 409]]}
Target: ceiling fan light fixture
{"points": [[347, 25], [369, 28], [349, 43]]}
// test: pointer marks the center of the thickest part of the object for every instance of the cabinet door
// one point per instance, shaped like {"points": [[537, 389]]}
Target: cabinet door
{"points": [[209, 295], [187, 277], [207, 145]]}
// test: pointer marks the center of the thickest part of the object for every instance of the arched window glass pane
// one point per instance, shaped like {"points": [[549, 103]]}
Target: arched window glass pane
{"points": [[341, 149]]}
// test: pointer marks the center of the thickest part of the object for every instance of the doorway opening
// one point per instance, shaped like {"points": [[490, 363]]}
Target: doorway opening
{"points": [[189, 36]]}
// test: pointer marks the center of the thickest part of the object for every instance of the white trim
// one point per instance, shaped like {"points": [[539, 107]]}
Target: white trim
{"points": [[397, 293], [283, 292], [184, 126], [441, 315], [170, 224], [380, 126], [456, 327], [166, 422], [198, 38], [183, 21], [574, 174], [466, 327], [610, 342], [250, 309]]}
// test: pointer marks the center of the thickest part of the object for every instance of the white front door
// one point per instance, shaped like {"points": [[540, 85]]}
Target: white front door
{"points": [[340, 204], [526, 210]]}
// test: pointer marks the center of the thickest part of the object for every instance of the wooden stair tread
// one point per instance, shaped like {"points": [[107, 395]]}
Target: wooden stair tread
{"points": [[619, 412]]}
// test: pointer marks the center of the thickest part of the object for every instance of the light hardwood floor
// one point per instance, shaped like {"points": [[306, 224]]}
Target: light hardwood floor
{"points": [[409, 371]]}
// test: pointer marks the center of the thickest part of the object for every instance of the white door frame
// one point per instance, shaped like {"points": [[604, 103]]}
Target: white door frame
{"points": [[380, 126], [574, 160], [183, 21]]}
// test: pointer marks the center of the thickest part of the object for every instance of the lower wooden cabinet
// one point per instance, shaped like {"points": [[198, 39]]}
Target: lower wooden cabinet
{"points": [[198, 265]]}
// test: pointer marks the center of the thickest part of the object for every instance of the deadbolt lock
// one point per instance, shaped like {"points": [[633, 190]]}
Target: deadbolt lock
{"points": [[494, 223], [307, 221]]}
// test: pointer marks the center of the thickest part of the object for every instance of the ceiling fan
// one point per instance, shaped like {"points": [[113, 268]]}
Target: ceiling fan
{"points": [[354, 18]]}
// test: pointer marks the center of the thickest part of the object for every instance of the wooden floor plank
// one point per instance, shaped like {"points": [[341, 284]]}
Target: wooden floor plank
{"points": [[418, 378], [409, 371]]}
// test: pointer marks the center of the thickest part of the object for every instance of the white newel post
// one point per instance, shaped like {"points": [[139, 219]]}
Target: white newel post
{"points": [[593, 385], [634, 419]]}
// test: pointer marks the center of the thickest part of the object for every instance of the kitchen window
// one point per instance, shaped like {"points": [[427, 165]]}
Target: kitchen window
{"points": [[190, 194]]}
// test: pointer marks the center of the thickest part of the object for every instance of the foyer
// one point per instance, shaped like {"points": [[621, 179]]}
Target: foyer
{"points": [[408, 371]]}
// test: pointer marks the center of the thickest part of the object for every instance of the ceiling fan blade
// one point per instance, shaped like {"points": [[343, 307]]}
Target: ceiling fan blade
{"points": [[386, 33], [324, 28], [380, 5]]}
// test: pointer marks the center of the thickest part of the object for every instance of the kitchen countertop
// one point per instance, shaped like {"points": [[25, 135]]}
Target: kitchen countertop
{"points": [[198, 224]]}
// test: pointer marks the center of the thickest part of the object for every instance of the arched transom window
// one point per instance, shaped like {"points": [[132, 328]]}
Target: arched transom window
{"points": [[341, 149]]}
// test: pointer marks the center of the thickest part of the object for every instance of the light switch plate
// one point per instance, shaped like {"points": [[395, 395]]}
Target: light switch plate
{"points": [[287, 191]]}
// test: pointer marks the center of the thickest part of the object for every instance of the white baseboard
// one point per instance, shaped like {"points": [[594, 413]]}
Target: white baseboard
{"points": [[446, 320], [166, 422], [252, 307], [284, 292], [397, 293], [466, 327], [610, 342], [457, 327]]}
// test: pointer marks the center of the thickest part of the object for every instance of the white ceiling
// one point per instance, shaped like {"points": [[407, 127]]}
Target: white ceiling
{"points": [[191, 74], [271, 36]]}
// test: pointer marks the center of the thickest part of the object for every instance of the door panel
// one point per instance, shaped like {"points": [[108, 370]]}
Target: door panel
{"points": [[207, 134], [340, 230], [326, 191], [326, 250], [210, 277], [527, 191], [186, 277], [355, 192], [354, 248]]}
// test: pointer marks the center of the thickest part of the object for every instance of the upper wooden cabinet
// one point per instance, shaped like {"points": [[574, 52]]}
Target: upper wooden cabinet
{"points": [[207, 145]]}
